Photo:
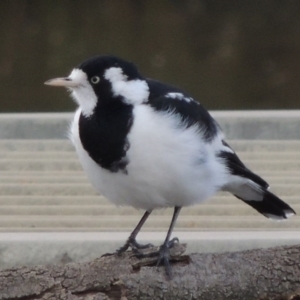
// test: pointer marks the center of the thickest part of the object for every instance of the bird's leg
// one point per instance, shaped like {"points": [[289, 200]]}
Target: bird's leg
{"points": [[131, 241], [164, 253]]}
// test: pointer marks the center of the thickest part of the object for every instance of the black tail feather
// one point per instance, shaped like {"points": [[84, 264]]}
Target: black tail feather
{"points": [[271, 206]]}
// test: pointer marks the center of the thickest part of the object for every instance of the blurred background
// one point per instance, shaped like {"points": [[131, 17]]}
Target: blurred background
{"points": [[227, 54]]}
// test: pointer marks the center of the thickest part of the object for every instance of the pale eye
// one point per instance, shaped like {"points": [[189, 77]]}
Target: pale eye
{"points": [[95, 80]]}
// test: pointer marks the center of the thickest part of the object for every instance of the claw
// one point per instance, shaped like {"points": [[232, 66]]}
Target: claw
{"points": [[172, 242], [130, 243], [134, 245]]}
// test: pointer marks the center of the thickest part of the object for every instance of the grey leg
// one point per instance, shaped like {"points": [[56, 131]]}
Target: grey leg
{"points": [[131, 241], [164, 253]]}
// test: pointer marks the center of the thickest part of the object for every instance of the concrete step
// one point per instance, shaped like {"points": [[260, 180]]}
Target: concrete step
{"points": [[16, 179], [80, 174], [239, 210], [155, 223], [80, 177], [84, 200], [54, 189], [265, 145], [57, 200], [74, 165], [50, 212], [39, 165], [264, 124], [45, 155], [271, 155], [54, 145], [35, 145], [72, 156], [68, 162], [86, 189]]}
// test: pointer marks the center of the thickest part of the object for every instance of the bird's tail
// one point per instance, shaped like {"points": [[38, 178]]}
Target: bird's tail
{"points": [[270, 205], [252, 189]]}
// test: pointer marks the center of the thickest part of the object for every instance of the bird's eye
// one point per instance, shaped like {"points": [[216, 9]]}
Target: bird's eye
{"points": [[95, 79]]}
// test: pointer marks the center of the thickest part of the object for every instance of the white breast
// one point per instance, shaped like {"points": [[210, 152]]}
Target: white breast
{"points": [[168, 165]]}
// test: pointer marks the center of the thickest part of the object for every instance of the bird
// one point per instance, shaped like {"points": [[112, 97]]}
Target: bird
{"points": [[150, 145]]}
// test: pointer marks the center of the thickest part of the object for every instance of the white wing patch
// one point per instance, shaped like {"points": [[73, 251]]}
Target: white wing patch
{"points": [[179, 96], [243, 188], [133, 91], [115, 74]]}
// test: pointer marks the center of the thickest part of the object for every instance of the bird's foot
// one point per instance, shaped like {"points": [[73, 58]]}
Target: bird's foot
{"points": [[134, 245], [130, 243], [163, 255]]}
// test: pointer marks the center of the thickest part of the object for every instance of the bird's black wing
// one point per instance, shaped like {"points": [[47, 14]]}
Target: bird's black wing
{"points": [[190, 111]]}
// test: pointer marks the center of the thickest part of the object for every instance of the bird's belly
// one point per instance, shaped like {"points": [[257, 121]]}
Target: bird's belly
{"points": [[167, 167]]}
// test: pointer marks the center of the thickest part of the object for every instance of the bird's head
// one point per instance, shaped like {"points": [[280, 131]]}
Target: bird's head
{"points": [[104, 79]]}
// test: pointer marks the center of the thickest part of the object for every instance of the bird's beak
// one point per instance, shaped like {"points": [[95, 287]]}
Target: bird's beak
{"points": [[64, 81]]}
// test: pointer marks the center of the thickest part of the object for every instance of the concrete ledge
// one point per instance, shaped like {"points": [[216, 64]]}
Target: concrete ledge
{"points": [[29, 249], [35, 125], [277, 125], [281, 124]]}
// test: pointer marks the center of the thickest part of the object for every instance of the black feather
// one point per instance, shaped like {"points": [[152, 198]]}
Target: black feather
{"points": [[236, 167], [271, 206], [190, 112], [103, 135]]}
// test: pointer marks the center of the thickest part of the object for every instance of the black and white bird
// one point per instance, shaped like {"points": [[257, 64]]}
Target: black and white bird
{"points": [[150, 145]]}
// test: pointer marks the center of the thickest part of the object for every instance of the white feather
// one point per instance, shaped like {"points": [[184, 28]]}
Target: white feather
{"points": [[179, 96], [243, 188], [133, 91], [83, 94]]}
